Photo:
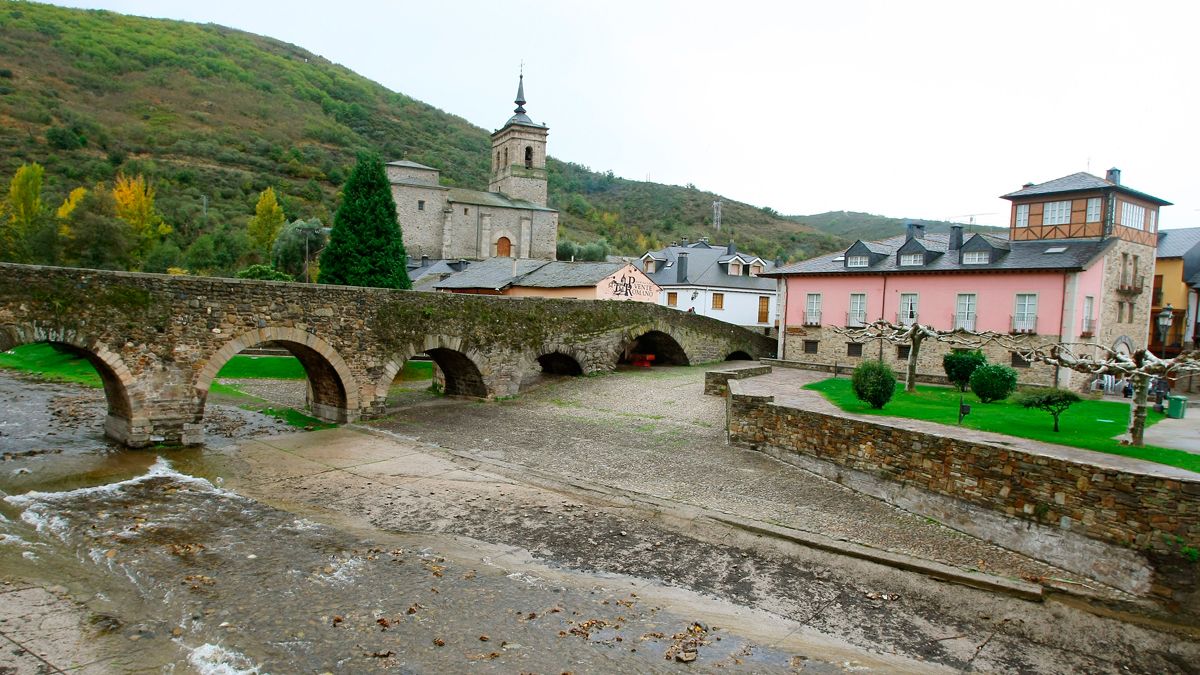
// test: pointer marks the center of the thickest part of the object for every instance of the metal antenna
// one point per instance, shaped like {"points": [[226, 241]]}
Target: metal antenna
{"points": [[717, 215]]}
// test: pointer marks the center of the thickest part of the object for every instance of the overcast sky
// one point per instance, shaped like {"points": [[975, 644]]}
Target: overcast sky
{"points": [[906, 109]]}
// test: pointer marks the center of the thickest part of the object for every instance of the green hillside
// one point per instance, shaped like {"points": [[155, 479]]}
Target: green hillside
{"points": [[212, 116], [853, 225]]}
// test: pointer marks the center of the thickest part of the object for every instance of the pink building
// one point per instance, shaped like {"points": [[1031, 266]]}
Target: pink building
{"points": [[1072, 268]]}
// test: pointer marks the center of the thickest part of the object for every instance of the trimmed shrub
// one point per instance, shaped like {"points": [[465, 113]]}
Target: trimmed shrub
{"points": [[263, 272], [1053, 401], [960, 365], [993, 382], [873, 382]]}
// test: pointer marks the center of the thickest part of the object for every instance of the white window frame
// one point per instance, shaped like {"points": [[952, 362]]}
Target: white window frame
{"points": [[1093, 210], [735, 268], [812, 309], [1025, 321], [1135, 213], [965, 306], [907, 301], [975, 257], [912, 259], [1089, 309], [858, 261], [1153, 220], [1022, 215], [857, 316], [1056, 213]]}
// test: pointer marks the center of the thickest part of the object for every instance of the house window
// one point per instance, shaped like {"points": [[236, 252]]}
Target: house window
{"points": [[902, 351], [853, 349], [764, 308], [975, 257], [420, 204], [466, 212], [1154, 221], [649, 267], [1019, 361], [1133, 216], [672, 299], [1023, 215], [1124, 269], [1025, 315], [964, 312], [718, 301], [858, 310], [1089, 323], [907, 315], [812, 309], [1093, 210], [1057, 213], [912, 259], [810, 346], [856, 261], [735, 269], [1120, 311], [755, 270]]}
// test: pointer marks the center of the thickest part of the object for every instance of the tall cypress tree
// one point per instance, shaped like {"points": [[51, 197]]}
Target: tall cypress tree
{"points": [[365, 247]]}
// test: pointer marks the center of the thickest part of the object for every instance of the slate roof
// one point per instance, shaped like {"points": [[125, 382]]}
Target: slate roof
{"points": [[1195, 280], [410, 165], [704, 269], [493, 274], [1177, 243], [561, 274], [1078, 182], [1020, 255], [496, 199]]}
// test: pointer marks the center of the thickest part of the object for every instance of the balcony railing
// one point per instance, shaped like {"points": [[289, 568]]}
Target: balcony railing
{"points": [[1024, 323], [856, 319], [1089, 328], [964, 321], [906, 318], [1133, 285], [812, 318]]}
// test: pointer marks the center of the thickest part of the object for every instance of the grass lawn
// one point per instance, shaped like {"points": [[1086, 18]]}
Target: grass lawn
{"points": [[51, 364], [1088, 424]]}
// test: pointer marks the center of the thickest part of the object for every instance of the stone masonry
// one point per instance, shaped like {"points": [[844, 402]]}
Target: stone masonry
{"points": [[158, 341]]}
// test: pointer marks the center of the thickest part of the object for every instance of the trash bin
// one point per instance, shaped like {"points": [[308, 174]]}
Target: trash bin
{"points": [[1176, 406]]}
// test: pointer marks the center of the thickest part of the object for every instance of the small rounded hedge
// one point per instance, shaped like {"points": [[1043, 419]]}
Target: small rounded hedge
{"points": [[993, 382], [960, 364], [873, 382]]}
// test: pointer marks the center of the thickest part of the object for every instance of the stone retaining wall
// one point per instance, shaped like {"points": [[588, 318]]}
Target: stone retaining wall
{"points": [[716, 382], [1135, 531]]}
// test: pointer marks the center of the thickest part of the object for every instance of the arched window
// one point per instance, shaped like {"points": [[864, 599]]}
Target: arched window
{"points": [[497, 169], [503, 248], [505, 157], [528, 157]]}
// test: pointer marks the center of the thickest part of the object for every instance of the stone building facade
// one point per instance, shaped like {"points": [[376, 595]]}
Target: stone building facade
{"points": [[510, 219], [1073, 268]]}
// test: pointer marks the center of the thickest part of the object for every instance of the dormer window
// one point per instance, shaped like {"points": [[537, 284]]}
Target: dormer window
{"points": [[975, 257], [649, 266], [912, 259], [755, 270], [857, 261], [735, 269]]}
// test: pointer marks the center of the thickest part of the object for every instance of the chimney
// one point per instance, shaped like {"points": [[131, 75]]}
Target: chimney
{"points": [[514, 269], [730, 249], [955, 237], [684, 242], [681, 267], [424, 260], [1113, 176], [915, 231]]}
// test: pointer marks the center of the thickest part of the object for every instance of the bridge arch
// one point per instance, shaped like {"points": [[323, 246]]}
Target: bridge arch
{"points": [[124, 411], [657, 341], [459, 367], [739, 355], [559, 362], [335, 396]]}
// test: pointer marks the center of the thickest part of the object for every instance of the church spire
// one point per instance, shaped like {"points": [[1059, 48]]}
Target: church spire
{"points": [[520, 101]]}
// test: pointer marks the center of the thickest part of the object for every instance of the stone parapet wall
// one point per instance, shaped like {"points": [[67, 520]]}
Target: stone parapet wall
{"points": [[1128, 528]]}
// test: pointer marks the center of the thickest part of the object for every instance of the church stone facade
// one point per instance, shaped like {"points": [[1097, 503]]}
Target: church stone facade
{"points": [[511, 219]]}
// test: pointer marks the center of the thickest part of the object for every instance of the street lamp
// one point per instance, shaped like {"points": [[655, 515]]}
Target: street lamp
{"points": [[1164, 320]]}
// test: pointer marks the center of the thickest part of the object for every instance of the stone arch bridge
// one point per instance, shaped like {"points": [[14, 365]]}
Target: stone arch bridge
{"points": [[158, 341]]}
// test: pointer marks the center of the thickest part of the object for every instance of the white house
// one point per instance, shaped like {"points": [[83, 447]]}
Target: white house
{"points": [[714, 281]]}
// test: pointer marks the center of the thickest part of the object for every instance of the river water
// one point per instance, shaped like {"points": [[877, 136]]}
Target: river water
{"points": [[174, 572]]}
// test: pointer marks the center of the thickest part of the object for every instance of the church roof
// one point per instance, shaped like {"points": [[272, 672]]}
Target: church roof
{"points": [[495, 199], [520, 117], [410, 165]]}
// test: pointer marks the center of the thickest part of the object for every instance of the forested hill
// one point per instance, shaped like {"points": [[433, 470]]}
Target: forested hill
{"points": [[852, 225], [211, 116]]}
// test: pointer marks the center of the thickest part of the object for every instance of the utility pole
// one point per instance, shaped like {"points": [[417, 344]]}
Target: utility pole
{"points": [[717, 215]]}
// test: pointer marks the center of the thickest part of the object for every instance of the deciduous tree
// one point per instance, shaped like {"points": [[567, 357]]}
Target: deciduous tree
{"points": [[134, 200], [365, 247], [266, 223], [25, 213]]}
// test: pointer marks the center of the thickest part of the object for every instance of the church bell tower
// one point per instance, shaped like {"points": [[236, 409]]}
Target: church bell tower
{"points": [[519, 155]]}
